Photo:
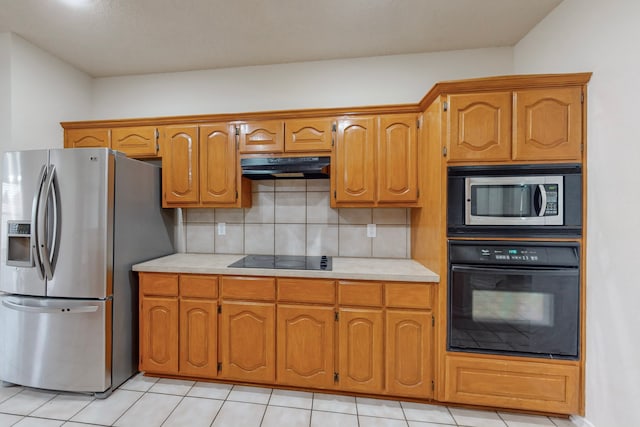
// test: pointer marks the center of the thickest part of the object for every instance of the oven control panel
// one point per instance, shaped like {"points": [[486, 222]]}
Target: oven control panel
{"points": [[516, 253], [511, 254]]}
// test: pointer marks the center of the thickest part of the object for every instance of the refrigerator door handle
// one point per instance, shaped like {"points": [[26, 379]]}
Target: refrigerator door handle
{"points": [[47, 248], [39, 309], [35, 210]]}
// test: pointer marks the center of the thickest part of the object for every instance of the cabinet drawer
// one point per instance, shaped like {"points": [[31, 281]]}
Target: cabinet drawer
{"points": [[251, 288], [409, 295], [165, 284], [538, 386], [198, 286], [360, 293], [307, 290]]}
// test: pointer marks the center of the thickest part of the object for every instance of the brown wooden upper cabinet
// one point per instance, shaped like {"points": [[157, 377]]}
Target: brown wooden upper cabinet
{"points": [[354, 169], [200, 167], [265, 136], [547, 124], [135, 141], [286, 136], [92, 137], [180, 166], [375, 161], [141, 141], [526, 125], [308, 135]]}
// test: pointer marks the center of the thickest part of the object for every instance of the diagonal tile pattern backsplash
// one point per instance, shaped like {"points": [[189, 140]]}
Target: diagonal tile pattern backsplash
{"points": [[294, 217]]}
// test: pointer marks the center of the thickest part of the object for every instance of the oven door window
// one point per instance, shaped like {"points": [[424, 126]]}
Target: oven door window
{"points": [[531, 312]]}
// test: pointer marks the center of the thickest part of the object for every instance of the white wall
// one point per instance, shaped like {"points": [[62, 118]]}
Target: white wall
{"points": [[324, 84], [44, 92], [600, 36], [5, 88]]}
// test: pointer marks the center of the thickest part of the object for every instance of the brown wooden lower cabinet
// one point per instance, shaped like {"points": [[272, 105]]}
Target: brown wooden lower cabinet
{"points": [[360, 346], [305, 345], [537, 386], [247, 341], [198, 338], [409, 353], [377, 337], [178, 324], [159, 334]]}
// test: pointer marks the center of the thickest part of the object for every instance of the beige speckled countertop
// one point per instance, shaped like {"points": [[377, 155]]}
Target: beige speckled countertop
{"points": [[401, 270]]}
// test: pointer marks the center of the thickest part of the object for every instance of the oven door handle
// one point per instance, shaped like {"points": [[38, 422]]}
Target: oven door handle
{"points": [[519, 271]]}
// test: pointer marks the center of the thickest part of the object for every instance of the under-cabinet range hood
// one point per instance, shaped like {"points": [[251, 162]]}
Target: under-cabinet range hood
{"points": [[286, 167]]}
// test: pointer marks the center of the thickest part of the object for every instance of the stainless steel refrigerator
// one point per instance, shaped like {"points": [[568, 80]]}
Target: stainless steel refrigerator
{"points": [[74, 221]]}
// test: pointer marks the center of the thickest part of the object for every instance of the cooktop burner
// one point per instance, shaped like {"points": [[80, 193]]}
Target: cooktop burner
{"points": [[290, 262]]}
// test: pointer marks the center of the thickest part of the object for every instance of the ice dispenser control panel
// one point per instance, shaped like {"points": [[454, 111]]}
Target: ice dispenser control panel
{"points": [[19, 244]]}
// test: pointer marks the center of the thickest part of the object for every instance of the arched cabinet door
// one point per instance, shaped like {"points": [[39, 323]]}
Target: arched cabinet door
{"points": [[139, 141], [247, 341], [361, 354], [218, 164], [305, 345], [409, 350], [354, 161], [397, 158], [266, 136], [479, 127], [180, 171], [548, 124]]}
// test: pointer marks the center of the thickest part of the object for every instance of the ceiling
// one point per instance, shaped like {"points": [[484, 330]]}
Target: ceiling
{"points": [[124, 37]]}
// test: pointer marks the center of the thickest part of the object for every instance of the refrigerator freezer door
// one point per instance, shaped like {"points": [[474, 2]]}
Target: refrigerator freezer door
{"points": [[82, 257], [21, 181], [57, 344]]}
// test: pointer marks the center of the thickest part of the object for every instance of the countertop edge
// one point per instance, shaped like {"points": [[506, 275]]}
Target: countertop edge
{"points": [[343, 268]]}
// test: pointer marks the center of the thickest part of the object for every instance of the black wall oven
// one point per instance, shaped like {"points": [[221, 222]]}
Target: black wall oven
{"points": [[514, 298], [515, 200]]}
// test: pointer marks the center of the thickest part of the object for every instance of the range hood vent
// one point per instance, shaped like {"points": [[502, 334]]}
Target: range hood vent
{"points": [[286, 167]]}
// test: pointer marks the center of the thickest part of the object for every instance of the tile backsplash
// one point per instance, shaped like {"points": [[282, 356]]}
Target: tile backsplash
{"points": [[294, 217]]}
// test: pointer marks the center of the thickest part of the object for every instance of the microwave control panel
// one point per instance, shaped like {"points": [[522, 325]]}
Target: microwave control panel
{"points": [[551, 191]]}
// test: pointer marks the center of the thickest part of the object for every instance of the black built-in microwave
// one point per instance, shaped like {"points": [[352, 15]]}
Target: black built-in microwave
{"points": [[542, 200]]}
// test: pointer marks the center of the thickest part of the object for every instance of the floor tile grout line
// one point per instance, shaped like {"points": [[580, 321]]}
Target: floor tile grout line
{"points": [[265, 408], [130, 406]]}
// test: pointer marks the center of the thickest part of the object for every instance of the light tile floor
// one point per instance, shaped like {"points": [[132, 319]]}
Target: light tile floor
{"points": [[151, 402]]}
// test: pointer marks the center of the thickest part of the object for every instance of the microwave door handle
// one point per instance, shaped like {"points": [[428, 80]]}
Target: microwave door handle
{"points": [[543, 199], [35, 216]]}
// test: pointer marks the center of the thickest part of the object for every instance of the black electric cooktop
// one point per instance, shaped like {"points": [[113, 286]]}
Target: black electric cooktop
{"points": [[290, 262]]}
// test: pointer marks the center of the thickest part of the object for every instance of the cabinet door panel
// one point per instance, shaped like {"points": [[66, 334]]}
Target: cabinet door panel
{"points": [[512, 384], [247, 341], [262, 137], [218, 164], [78, 138], [354, 161], [305, 135], [397, 158], [409, 352], [159, 335], [198, 338], [305, 346], [548, 124], [479, 127], [180, 165], [135, 141], [361, 355]]}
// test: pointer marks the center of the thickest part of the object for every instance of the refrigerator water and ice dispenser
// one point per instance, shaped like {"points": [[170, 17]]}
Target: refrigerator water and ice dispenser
{"points": [[19, 244]]}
